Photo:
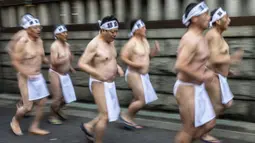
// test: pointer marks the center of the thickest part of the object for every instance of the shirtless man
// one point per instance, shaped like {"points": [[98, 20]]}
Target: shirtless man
{"points": [[22, 33], [136, 54], [195, 107], [99, 60], [220, 61], [61, 85], [27, 57]]}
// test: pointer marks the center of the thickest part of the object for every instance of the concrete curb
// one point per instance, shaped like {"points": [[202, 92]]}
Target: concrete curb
{"points": [[225, 128]]}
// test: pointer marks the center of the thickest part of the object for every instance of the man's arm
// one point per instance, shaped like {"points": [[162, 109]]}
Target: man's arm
{"points": [[17, 56], [120, 71], [125, 55], [216, 55], [184, 59], [155, 50], [86, 58]]}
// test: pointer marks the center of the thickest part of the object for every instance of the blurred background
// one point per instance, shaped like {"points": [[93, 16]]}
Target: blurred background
{"points": [[89, 11]]}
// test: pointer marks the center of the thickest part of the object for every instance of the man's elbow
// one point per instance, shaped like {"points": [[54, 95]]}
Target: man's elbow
{"points": [[180, 67], [80, 64]]}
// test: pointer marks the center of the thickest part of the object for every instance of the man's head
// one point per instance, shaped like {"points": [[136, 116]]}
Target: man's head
{"points": [[109, 28], [220, 19], [137, 27], [60, 33], [31, 25], [196, 14]]}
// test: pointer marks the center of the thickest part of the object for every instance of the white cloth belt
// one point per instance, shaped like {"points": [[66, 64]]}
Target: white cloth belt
{"points": [[111, 97], [148, 90], [204, 111], [66, 86]]}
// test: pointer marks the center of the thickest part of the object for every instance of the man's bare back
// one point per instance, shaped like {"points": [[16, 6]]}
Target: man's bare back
{"points": [[60, 57]]}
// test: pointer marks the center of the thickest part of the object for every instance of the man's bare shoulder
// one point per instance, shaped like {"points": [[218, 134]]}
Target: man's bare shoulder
{"points": [[189, 40], [19, 34], [92, 45], [212, 34], [131, 42], [54, 45]]}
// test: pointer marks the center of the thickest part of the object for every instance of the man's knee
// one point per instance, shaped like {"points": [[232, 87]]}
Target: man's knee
{"points": [[42, 101], [229, 104], [210, 125]]}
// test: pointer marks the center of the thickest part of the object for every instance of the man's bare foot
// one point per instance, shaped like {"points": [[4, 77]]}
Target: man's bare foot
{"points": [[15, 127], [38, 131], [209, 138], [89, 128], [130, 122]]}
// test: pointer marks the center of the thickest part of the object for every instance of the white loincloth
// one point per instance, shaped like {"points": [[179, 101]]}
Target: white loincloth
{"points": [[66, 87], [226, 94], [112, 101], [149, 92], [204, 111], [37, 88]]}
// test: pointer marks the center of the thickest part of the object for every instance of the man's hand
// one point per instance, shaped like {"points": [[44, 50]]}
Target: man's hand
{"points": [[236, 58], [156, 49], [120, 71], [72, 70]]}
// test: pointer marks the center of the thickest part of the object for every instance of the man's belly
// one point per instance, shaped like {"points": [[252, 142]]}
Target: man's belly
{"points": [[108, 71], [62, 69]]}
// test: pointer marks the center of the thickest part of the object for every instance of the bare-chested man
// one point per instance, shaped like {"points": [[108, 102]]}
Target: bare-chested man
{"points": [[27, 57], [219, 61], [136, 54], [60, 82], [99, 60], [195, 107], [22, 33]]}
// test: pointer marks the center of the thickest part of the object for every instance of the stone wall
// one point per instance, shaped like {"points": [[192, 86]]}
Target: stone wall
{"points": [[161, 69]]}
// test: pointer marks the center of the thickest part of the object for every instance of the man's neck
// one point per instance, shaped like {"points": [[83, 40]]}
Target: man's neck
{"points": [[218, 29], [102, 38], [62, 42], [32, 38], [139, 37], [196, 29]]}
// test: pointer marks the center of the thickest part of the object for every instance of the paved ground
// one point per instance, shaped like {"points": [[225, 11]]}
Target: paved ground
{"points": [[71, 133]]}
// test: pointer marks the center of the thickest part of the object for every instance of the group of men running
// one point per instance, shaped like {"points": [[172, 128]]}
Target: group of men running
{"points": [[202, 67]]}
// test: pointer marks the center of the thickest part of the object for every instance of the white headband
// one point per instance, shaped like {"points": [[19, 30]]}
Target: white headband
{"points": [[60, 29], [25, 19], [217, 15], [138, 24], [32, 22], [108, 25], [196, 11]]}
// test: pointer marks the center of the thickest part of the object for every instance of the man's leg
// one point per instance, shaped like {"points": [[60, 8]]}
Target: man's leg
{"points": [[99, 96], [57, 100], [214, 92], [135, 83], [22, 110], [34, 128], [185, 99], [98, 124]]}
